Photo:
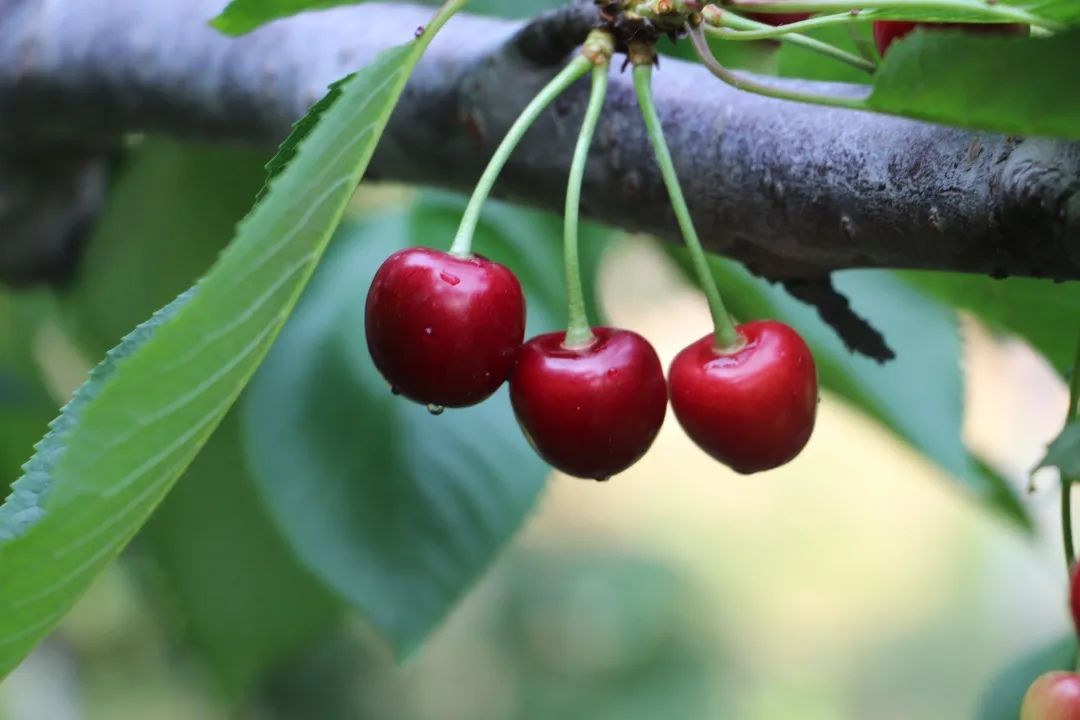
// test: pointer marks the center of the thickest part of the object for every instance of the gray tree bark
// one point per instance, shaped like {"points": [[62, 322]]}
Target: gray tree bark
{"points": [[794, 191]]}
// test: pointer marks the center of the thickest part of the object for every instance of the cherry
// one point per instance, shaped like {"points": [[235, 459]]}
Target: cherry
{"points": [[1074, 597], [778, 19], [888, 31], [1053, 696], [752, 407], [444, 330], [591, 411]]}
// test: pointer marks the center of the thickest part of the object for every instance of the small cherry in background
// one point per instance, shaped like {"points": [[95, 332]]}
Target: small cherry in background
{"points": [[886, 32], [751, 406], [1074, 597], [444, 330], [592, 410], [1053, 696]]}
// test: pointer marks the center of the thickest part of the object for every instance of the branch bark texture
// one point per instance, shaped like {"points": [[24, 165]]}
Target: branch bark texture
{"points": [[793, 191]]}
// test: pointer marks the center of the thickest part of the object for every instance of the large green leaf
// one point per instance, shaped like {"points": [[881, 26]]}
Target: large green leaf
{"points": [[139, 421], [396, 509], [1042, 312], [242, 16], [918, 396], [218, 554], [1005, 693], [1015, 85]]}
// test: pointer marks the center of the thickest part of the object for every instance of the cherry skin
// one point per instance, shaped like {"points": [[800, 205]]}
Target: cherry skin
{"points": [[752, 407], [443, 330], [1053, 696], [778, 19], [888, 31], [593, 411], [1074, 597]]}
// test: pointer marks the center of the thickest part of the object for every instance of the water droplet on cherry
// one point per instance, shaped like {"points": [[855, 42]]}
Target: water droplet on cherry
{"points": [[394, 390], [436, 409]]}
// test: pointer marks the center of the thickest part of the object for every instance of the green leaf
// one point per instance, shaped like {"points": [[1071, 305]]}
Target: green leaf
{"points": [[243, 601], [139, 421], [918, 396], [1064, 452], [1036, 310], [1014, 85], [1005, 694], [397, 510], [219, 555], [243, 16]]}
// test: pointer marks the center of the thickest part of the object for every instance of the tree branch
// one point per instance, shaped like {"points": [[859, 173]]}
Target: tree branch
{"points": [[793, 191]]}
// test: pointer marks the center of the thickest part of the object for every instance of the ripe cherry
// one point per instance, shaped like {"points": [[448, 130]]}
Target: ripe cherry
{"points": [[591, 411], [1074, 597], [888, 31], [444, 330], [1053, 696], [778, 19], [752, 407]]}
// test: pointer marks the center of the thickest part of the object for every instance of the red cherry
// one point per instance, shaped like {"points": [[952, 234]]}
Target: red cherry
{"points": [[1053, 696], [777, 19], [444, 331], [1074, 597], [751, 408], [887, 31], [592, 411]]}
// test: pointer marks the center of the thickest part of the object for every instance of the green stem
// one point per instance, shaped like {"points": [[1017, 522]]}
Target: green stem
{"points": [[1067, 480], [578, 332], [741, 28], [736, 27], [989, 10], [578, 68], [726, 335], [741, 82]]}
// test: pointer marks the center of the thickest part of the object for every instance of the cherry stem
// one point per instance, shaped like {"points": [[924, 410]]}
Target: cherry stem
{"points": [[726, 335], [578, 332], [742, 82], [1067, 480], [578, 68], [730, 26], [985, 8]]}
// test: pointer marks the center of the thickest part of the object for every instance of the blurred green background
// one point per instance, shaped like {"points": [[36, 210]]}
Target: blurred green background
{"points": [[883, 575]]}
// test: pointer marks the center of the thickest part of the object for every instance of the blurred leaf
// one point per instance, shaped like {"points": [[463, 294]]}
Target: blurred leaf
{"points": [[1035, 310], [1005, 694], [138, 422], [1064, 452], [170, 213], [1025, 86], [919, 396], [245, 602], [25, 405], [397, 510], [220, 555]]}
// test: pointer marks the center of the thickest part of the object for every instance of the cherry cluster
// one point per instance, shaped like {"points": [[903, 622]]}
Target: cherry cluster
{"points": [[1056, 695], [447, 331]]}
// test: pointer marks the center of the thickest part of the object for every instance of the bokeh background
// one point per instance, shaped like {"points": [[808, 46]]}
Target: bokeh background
{"points": [[859, 582]]}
